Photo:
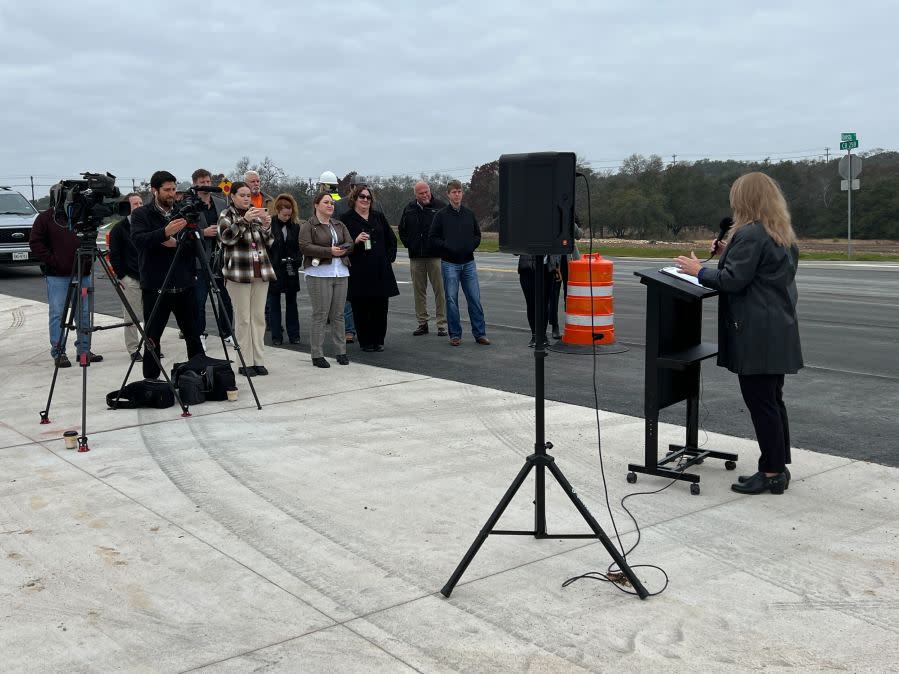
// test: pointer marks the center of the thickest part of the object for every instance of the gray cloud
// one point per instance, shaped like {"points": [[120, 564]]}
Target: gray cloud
{"points": [[398, 87]]}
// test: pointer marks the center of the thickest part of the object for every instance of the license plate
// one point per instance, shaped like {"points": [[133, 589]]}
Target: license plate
{"points": [[20, 256]]}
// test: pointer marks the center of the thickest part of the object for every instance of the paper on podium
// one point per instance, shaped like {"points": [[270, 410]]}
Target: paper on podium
{"points": [[677, 273]]}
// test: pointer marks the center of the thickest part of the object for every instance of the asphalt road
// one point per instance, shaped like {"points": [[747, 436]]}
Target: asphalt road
{"points": [[844, 402]]}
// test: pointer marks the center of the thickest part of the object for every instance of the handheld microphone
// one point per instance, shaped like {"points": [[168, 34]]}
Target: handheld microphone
{"points": [[723, 228]]}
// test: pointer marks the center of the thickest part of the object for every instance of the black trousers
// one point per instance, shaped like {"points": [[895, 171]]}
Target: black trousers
{"points": [[183, 304], [370, 316], [763, 395], [527, 280]]}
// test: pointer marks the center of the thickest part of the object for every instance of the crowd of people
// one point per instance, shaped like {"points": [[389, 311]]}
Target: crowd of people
{"points": [[257, 245]]}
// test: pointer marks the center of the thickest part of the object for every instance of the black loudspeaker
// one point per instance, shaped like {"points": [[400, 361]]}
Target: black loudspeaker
{"points": [[536, 203]]}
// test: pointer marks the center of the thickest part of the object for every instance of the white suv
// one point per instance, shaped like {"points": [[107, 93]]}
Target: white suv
{"points": [[17, 215]]}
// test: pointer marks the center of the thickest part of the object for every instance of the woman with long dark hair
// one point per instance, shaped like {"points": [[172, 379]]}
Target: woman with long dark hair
{"points": [[325, 243], [285, 255], [246, 233], [372, 282], [758, 332]]}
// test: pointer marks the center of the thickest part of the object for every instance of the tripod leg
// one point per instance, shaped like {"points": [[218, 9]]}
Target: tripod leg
{"points": [[488, 527], [61, 342], [83, 341], [600, 534]]}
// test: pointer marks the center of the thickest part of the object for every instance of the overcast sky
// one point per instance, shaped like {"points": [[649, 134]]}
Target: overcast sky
{"points": [[392, 87]]}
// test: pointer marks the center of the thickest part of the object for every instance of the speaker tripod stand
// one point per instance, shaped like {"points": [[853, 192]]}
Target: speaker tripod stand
{"points": [[540, 461]]}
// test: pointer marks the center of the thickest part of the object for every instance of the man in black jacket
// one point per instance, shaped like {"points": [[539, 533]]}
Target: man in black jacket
{"points": [[125, 263], [424, 265], [154, 237], [455, 236]]}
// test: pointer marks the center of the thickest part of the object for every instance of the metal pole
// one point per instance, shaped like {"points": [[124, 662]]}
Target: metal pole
{"points": [[849, 207], [32, 187]]}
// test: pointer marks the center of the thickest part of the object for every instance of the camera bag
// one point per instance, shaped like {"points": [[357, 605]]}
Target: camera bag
{"points": [[137, 394], [190, 388], [216, 374]]}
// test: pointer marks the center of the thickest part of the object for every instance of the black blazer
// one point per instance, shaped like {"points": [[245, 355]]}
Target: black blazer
{"points": [[279, 251], [371, 271], [758, 332]]}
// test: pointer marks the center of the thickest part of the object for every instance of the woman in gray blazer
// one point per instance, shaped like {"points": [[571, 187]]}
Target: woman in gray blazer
{"points": [[758, 332]]}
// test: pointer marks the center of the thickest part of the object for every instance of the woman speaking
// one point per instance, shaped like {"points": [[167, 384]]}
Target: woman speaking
{"points": [[758, 333]]}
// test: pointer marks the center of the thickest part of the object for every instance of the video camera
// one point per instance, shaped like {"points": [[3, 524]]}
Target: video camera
{"points": [[81, 200], [190, 205]]}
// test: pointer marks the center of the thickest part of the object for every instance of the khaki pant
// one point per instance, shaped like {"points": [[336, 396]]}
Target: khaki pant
{"points": [[426, 269], [248, 300], [328, 297], [131, 290]]}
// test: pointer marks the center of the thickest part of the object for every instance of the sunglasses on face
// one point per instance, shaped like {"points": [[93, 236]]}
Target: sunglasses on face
{"points": [[364, 197]]}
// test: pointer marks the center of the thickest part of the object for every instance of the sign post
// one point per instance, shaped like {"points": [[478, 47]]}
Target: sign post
{"points": [[848, 142]]}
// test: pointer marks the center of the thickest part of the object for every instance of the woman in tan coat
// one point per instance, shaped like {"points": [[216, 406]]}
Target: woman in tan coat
{"points": [[324, 243]]}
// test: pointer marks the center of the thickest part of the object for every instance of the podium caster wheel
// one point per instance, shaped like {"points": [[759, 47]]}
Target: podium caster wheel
{"points": [[730, 465], [694, 489], [631, 478]]}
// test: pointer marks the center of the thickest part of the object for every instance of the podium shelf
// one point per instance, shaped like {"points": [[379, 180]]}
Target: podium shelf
{"points": [[681, 360]]}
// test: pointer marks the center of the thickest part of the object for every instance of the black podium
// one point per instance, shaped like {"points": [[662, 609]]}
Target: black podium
{"points": [[674, 354]]}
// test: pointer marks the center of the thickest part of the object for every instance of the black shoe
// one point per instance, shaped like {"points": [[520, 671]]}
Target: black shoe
{"points": [[320, 362], [136, 357], [422, 329], [556, 333], [62, 360], [760, 483], [277, 342], [342, 359], [294, 340], [261, 370], [94, 357], [368, 348], [379, 347], [746, 478], [441, 332], [249, 371], [533, 342]]}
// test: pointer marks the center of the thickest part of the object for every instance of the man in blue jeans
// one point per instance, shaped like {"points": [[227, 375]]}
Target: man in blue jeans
{"points": [[455, 236], [56, 246]]}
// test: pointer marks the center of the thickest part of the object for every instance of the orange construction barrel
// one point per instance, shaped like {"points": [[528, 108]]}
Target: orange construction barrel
{"points": [[589, 307]]}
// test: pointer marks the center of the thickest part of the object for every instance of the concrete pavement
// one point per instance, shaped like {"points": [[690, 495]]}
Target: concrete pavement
{"points": [[313, 535]]}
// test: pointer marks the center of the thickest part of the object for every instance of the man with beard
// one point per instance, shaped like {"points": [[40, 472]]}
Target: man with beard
{"points": [[153, 234]]}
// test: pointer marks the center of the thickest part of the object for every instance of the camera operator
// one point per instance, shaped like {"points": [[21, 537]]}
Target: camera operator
{"points": [[56, 245], [124, 259], [154, 237], [208, 226]]}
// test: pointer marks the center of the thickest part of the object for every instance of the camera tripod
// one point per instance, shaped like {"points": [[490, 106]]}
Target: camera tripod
{"points": [[540, 461], [190, 238], [72, 318]]}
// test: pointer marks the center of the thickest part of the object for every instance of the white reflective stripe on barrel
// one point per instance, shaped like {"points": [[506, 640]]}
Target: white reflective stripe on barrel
{"points": [[596, 321], [584, 291]]}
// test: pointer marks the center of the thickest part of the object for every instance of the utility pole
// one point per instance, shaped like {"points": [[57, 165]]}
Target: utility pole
{"points": [[32, 187], [133, 185], [826, 154], [674, 160]]}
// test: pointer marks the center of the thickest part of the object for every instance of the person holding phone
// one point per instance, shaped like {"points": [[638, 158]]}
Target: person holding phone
{"points": [[324, 243], [372, 282], [246, 234]]}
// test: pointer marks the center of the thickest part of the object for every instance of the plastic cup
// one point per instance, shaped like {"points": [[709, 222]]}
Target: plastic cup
{"points": [[232, 394], [71, 438]]}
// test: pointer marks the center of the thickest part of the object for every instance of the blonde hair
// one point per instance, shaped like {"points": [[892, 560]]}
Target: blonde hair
{"points": [[756, 197], [285, 201]]}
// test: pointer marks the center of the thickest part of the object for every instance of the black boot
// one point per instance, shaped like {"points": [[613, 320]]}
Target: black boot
{"points": [[746, 478], [760, 483]]}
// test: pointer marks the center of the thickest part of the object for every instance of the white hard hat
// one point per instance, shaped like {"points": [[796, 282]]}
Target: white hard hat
{"points": [[327, 178]]}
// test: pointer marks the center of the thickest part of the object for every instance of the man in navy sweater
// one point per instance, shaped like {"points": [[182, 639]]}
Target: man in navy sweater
{"points": [[455, 236]]}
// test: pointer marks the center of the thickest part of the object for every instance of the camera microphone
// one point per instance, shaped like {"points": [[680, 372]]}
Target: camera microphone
{"points": [[207, 188]]}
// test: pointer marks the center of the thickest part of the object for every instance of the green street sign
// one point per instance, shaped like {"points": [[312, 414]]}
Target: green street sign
{"points": [[847, 136], [849, 145]]}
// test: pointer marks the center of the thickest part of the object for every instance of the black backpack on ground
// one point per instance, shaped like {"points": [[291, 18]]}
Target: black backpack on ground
{"points": [[141, 394], [190, 388], [216, 374]]}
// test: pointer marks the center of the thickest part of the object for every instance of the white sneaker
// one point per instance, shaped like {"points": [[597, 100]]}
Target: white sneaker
{"points": [[229, 340], [203, 342]]}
